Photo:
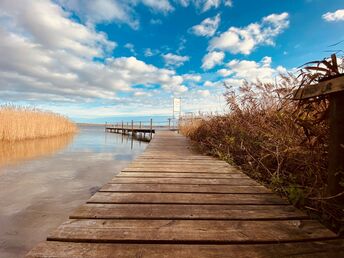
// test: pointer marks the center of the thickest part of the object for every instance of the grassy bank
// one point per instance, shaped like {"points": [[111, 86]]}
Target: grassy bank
{"points": [[274, 140], [21, 123]]}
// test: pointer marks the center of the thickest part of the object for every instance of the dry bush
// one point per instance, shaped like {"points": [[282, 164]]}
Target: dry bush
{"points": [[21, 123], [275, 141], [188, 126]]}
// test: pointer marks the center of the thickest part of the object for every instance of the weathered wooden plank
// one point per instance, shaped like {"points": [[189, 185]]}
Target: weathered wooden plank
{"points": [[180, 211], [180, 169], [316, 249], [170, 197], [160, 188], [181, 175], [189, 231], [174, 165], [186, 198], [322, 88], [183, 181]]}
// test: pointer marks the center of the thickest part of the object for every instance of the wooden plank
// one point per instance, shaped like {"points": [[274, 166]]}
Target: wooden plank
{"points": [[187, 188], [186, 198], [173, 164], [180, 169], [316, 249], [185, 181], [180, 211], [322, 88], [181, 175], [189, 231]]}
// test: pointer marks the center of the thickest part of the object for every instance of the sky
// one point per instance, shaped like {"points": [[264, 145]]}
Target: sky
{"points": [[101, 60]]}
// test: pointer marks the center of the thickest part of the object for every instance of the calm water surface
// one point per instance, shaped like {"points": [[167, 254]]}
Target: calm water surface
{"points": [[43, 181]]}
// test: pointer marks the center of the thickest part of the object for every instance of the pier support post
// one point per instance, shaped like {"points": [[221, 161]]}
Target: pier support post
{"points": [[151, 128]]}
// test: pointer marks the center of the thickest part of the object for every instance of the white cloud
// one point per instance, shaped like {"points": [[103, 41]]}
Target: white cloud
{"points": [[155, 21], [98, 11], [158, 5], [148, 52], [207, 27], [209, 84], [244, 40], [131, 48], [204, 93], [142, 94], [173, 60], [205, 5], [224, 72], [212, 59], [334, 16], [192, 77], [251, 70], [45, 55], [229, 3]]}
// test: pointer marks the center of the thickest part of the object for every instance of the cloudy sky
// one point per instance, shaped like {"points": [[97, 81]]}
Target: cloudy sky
{"points": [[95, 60]]}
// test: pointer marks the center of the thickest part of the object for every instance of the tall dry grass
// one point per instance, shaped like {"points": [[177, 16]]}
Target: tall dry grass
{"points": [[274, 141], [22, 123]]}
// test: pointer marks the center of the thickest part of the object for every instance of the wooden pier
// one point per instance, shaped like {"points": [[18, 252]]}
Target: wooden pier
{"points": [[174, 202]]}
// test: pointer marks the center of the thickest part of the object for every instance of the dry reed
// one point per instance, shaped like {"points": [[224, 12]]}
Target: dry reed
{"points": [[274, 141], [22, 123]]}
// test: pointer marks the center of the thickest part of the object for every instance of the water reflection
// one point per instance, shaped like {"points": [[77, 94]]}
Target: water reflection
{"points": [[37, 195], [12, 152]]}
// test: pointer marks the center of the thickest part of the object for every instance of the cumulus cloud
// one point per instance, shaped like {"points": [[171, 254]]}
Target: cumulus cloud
{"points": [[173, 60], [204, 93], [245, 40], [212, 59], [192, 77], [45, 55], [224, 72], [98, 11], [251, 70], [207, 27], [334, 16]]}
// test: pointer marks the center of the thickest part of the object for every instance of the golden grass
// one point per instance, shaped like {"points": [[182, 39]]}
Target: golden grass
{"points": [[188, 126], [22, 123]]}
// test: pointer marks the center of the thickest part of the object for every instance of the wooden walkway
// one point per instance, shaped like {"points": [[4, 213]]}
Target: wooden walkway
{"points": [[173, 202]]}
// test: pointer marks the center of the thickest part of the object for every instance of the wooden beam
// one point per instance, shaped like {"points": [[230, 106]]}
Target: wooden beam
{"points": [[320, 89]]}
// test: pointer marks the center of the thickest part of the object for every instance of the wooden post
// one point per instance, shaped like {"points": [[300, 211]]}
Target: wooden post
{"points": [[336, 147], [151, 128], [132, 128]]}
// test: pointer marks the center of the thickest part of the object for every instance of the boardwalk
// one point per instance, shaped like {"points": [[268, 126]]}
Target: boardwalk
{"points": [[174, 202]]}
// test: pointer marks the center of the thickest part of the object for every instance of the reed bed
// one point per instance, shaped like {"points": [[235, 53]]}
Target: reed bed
{"points": [[22, 123], [274, 140]]}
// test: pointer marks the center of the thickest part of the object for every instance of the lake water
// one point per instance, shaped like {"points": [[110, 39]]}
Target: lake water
{"points": [[43, 181]]}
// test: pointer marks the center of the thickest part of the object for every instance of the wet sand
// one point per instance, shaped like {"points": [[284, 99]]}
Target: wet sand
{"points": [[37, 195]]}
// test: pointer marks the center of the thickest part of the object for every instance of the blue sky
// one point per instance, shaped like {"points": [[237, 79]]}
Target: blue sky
{"points": [[102, 60]]}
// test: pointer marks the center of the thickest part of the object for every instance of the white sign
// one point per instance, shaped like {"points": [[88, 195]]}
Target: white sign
{"points": [[176, 105]]}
